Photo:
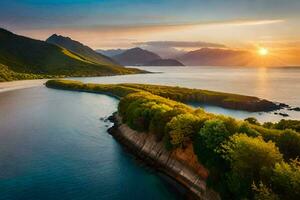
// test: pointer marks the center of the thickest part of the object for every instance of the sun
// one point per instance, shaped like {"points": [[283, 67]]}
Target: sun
{"points": [[263, 51]]}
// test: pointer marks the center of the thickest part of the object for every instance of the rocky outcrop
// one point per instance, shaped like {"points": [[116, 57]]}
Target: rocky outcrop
{"points": [[145, 146]]}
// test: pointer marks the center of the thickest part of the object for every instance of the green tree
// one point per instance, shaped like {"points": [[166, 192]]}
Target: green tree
{"points": [[286, 179], [251, 159], [252, 120], [289, 144], [246, 128], [213, 133], [182, 127]]}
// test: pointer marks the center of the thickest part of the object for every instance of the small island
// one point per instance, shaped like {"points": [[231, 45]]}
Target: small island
{"points": [[185, 95]]}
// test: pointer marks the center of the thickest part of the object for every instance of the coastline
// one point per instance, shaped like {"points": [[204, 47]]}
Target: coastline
{"points": [[21, 84], [147, 149]]}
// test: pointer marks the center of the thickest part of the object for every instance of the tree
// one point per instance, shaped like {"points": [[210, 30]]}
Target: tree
{"points": [[182, 127], [251, 159], [288, 124], [245, 128], [289, 144], [213, 133], [252, 120], [286, 179]]}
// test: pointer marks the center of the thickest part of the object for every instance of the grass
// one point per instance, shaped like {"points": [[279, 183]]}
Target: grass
{"points": [[226, 100], [9, 75]]}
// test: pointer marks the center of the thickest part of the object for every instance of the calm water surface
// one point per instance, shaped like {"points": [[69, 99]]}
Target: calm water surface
{"points": [[276, 84], [53, 146]]}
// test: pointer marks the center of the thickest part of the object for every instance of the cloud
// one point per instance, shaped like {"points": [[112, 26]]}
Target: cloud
{"points": [[180, 44], [110, 35], [250, 22]]}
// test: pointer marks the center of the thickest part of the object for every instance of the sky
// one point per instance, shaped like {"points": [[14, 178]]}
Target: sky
{"points": [[180, 24]]}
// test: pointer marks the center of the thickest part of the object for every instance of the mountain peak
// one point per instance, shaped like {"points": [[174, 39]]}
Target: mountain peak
{"points": [[79, 48], [56, 37], [136, 56]]}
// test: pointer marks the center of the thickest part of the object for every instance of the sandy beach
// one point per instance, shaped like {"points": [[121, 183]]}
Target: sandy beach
{"points": [[15, 85]]}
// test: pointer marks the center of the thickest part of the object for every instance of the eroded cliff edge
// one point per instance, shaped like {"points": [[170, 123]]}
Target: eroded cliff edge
{"points": [[171, 163]]}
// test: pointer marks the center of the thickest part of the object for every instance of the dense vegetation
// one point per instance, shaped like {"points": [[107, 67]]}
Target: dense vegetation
{"points": [[226, 100], [244, 160], [23, 56], [8, 75], [284, 124]]}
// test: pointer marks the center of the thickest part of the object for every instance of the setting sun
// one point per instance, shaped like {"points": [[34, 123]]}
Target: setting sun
{"points": [[263, 51]]}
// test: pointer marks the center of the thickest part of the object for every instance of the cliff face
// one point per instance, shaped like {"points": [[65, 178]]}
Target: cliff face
{"points": [[172, 163]]}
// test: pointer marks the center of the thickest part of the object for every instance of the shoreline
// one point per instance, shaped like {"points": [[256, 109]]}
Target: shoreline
{"points": [[145, 148], [21, 84]]}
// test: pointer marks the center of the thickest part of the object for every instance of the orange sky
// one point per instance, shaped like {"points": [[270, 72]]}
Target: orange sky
{"points": [[100, 24]]}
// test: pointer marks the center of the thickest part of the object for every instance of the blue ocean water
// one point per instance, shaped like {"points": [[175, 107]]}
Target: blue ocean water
{"points": [[53, 146]]}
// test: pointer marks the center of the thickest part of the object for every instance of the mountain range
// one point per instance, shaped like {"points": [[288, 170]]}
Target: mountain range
{"points": [[140, 57], [111, 52], [216, 57], [25, 58], [200, 57], [135, 57]]}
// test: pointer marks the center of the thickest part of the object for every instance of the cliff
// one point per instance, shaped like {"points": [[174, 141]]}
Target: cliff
{"points": [[175, 164]]}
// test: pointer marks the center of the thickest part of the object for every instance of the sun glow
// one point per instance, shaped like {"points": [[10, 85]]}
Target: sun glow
{"points": [[263, 51]]}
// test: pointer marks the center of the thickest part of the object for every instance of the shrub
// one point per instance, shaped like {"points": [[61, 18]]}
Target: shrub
{"points": [[252, 120], [251, 159], [288, 124], [183, 127], [286, 179], [246, 128], [213, 133], [262, 192], [289, 144]]}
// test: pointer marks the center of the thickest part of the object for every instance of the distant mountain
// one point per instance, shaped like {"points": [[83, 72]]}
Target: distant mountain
{"points": [[25, 56], [111, 52], [135, 57], [216, 57], [166, 52], [81, 49], [164, 62]]}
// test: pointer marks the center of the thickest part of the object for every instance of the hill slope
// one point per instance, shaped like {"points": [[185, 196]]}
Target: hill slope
{"points": [[135, 56], [24, 55], [81, 49]]}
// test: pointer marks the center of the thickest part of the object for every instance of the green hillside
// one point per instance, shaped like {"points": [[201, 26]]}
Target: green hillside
{"points": [[8, 75], [24, 55], [83, 50]]}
